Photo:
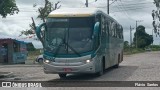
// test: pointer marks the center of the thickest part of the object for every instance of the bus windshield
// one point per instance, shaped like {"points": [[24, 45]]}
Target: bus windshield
{"points": [[69, 35]]}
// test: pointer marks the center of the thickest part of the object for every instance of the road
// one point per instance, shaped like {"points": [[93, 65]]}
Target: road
{"points": [[137, 67]]}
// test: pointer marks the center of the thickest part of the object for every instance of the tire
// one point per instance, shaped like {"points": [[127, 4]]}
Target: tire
{"points": [[117, 65], [22, 62], [40, 60], [62, 76], [122, 57]]}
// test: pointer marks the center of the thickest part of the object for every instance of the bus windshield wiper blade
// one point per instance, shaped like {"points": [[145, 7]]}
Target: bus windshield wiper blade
{"points": [[72, 49], [57, 50]]}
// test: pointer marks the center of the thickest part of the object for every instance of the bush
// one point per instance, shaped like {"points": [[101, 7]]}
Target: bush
{"points": [[155, 47], [32, 55], [30, 47]]}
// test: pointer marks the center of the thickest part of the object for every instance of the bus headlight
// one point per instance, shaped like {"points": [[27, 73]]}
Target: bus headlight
{"points": [[47, 61], [88, 61]]}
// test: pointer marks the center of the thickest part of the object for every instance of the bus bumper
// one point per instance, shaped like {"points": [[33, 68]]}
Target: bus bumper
{"points": [[85, 68]]}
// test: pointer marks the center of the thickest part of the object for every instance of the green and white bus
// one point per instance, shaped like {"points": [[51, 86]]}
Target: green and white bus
{"points": [[80, 40]]}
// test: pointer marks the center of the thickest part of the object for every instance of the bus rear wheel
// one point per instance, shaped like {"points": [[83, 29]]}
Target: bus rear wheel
{"points": [[117, 65], [62, 76]]}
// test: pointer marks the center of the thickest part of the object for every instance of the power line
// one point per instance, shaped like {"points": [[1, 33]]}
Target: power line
{"points": [[125, 10], [127, 5], [132, 9], [112, 2], [125, 13], [134, 1]]}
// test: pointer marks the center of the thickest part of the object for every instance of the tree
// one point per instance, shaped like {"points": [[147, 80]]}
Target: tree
{"points": [[143, 39], [8, 7], [42, 14], [126, 44], [49, 7], [156, 18], [30, 46]]}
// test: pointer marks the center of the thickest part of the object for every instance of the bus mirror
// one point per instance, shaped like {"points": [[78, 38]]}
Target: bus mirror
{"points": [[39, 32], [96, 29]]}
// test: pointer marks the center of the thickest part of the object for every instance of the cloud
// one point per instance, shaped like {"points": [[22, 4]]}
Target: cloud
{"points": [[126, 12]]}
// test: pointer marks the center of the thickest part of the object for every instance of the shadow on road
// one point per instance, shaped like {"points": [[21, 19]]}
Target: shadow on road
{"points": [[111, 74], [120, 74]]}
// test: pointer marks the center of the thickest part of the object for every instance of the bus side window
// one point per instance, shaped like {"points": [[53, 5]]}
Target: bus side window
{"points": [[97, 38], [107, 27], [118, 31], [103, 24], [113, 29], [122, 32], [110, 28]]}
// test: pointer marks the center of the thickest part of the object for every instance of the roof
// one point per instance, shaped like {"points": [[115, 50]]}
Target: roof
{"points": [[73, 12], [9, 40], [22, 42]]}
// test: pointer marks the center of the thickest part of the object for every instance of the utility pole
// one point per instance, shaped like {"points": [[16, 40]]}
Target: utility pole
{"points": [[131, 35], [152, 35], [131, 38], [136, 34], [86, 3], [108, 7]]}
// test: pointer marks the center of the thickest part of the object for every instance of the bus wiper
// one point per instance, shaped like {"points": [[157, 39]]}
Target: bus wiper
{"points": [[57, 50], [72, 49]]}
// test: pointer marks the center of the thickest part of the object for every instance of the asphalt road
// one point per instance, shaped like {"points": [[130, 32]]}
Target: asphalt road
{"points": [[137, 67]]}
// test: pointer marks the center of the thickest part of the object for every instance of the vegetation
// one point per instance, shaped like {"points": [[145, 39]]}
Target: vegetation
{"points": [[155, 47], [42, 14], [128, 50], [141, 38], [30, 47], [144, 42], [156, 18], [126, 44], [8, 7], [32, 55]]}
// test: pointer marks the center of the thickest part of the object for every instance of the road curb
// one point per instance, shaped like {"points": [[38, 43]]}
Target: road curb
{"points": [[5, 74], [10, 66]]}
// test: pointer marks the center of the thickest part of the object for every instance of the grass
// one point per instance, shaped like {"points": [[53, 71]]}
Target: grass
{"points": [[133, 51], [32, 55], [128, 51]]}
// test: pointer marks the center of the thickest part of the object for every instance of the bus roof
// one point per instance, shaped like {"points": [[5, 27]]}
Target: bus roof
{"points": [[73, 12], [77, 12]]}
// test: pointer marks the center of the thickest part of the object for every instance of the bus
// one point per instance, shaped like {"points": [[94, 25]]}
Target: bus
{"points": [[80, 40]]}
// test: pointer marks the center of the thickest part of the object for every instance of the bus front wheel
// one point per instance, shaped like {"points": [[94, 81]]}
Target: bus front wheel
{"points": [[62, 76]]}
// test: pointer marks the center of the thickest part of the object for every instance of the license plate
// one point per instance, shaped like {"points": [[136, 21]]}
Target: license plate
{"points": [[67, 69]]}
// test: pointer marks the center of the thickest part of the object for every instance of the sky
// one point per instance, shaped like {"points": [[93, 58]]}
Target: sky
{"points": [[126, 12]]}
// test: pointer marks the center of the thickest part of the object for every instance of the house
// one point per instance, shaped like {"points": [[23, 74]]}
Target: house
{"points": [[12, 51]]}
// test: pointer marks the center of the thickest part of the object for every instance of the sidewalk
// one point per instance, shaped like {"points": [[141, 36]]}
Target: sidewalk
{"points": [[28, 63]]}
